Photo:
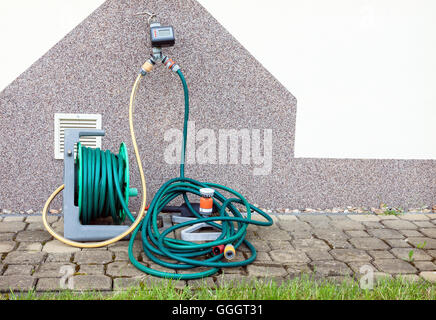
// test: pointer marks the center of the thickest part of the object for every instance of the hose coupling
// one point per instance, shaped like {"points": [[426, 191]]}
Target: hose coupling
{"points": [[229, 251], [217, 250], [170, 64], [147, 66]]}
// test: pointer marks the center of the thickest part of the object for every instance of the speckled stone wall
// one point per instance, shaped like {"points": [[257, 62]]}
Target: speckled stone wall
{"points": [[92, 70]]}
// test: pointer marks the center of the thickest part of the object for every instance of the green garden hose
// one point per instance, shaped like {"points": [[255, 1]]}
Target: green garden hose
{"points": [[159, 247], [99, 173]]}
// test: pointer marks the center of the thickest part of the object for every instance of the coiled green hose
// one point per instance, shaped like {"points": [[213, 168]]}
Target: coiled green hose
{"points": [[99, 174], [159, 247]]}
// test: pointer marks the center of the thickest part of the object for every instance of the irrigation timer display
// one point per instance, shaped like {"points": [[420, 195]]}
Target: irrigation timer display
{"points": [[162, 36]]}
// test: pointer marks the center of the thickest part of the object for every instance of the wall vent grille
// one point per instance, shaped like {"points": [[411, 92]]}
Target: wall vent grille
{"points": [[64, 121]]}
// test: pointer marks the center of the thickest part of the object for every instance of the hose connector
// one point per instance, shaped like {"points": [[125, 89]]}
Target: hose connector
{"points": [[147, 66], [170, 64], [229, 252], [217, 250]]}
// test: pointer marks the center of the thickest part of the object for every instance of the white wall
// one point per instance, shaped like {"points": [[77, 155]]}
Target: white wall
{"points": [[29, 28], [363, 71]]}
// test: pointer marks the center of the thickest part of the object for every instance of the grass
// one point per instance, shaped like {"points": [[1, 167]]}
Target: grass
{"points": [[303, 288], [391, 211]]}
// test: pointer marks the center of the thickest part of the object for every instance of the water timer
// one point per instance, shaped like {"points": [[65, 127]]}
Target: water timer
{"points": [[161, 36]]}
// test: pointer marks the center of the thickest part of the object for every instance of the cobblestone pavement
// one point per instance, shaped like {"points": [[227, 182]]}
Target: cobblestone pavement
{"points": [[325, 246]]}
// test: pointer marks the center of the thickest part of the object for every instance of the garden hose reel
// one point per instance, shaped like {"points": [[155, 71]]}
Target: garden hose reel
{"points": [[77, 225]]}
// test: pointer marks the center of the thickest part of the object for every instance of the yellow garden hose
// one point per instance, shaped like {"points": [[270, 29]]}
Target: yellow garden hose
{"points": [[144, 190]]}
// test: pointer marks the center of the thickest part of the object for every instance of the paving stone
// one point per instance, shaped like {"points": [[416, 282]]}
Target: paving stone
{"points": [[238, 270], [300, 234], [368, 243], [18, 269], [35, 226], [356, 266], [2, 267], [58, 226], [337, 217], [429, 232], [364, 217], [12, 226], [431, 252], [357, 233], [339, 244], [394, 266], [320, 222], [49, 284], [381, 254], [92, 282], [280, 244], [372, 225], [318, 254], [270, 234], [262, 272], [59, 257], [310, 243], [123, 269], [425, 265], [289, 256], [296, 226], [428, 276], [414, 217], [297, 269], [399, 224], [350, 255], [410, 233], [121, 256], [349, 225], [419, 241], [424, 224], [7, 246], [260, 245], [8, 236], [123, 246], [29, 246], [22, 257], [388, 217], [13, 219], [431, 215], [262, 256], [398, 243], [55, 246], [33, 236], [52, 269], [330, 268], [418, 254], [91, 269], [93, 257], [125, 283], [385, 234], [16, 283], [327, 234], [286, 218], [33, 219]]}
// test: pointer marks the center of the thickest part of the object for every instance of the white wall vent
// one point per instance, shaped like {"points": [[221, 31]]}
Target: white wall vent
{"points": [[64, 121]]}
